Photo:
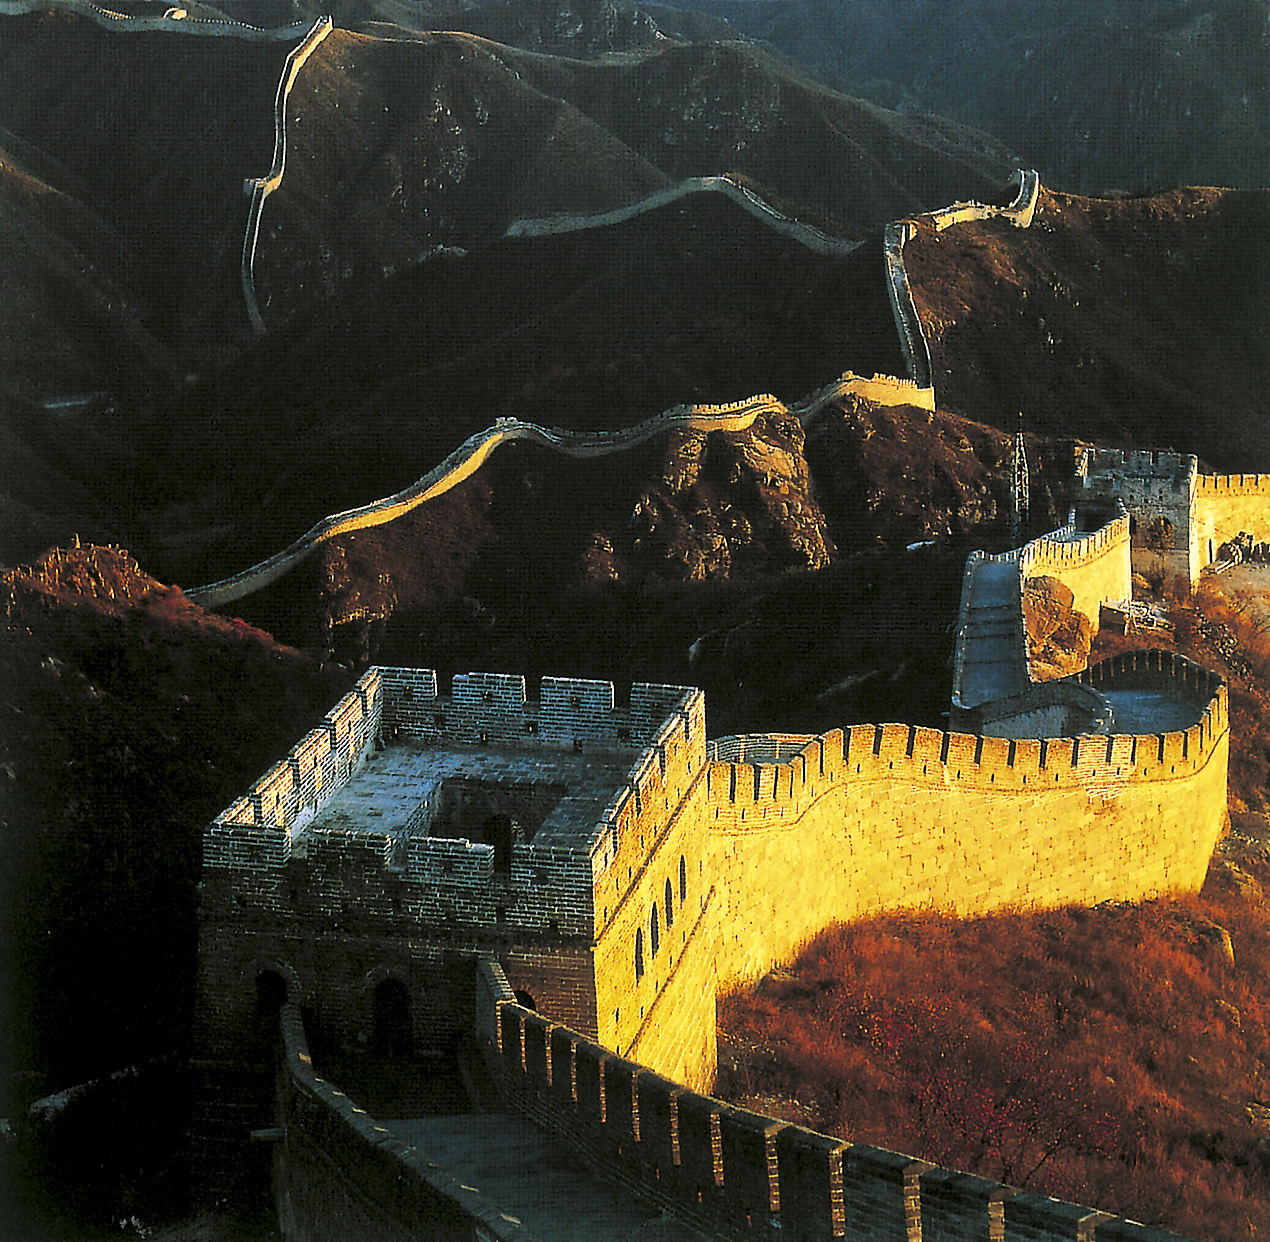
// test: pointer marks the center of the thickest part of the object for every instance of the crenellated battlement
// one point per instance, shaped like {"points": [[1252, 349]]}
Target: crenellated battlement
{"points": [[1234, 484], [1066, 550], [744, 793]]}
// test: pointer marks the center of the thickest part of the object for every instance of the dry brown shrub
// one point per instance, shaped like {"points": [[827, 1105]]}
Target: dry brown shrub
{"points": [[1102, 1056]]}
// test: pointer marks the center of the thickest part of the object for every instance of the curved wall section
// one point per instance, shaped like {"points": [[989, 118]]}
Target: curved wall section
{"points": [[168, 23], [744, 197], [1095, 567], [471, 454], [907, 321], [887, 817]]}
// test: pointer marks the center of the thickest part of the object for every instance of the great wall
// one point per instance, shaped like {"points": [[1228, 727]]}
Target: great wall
{"points": [[259, 188], [174, 21], [557, 884], [560, 883]]}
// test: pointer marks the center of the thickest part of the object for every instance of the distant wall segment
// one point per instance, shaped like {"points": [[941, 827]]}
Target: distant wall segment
{"points": [[472, 453], [813, 239], [174, 21], [259, 188], [899, 233]]}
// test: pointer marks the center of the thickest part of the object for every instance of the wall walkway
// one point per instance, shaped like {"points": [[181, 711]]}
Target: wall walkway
{"points": [[993, 690], [991, 657], [734, 1174], [618, 1151]]}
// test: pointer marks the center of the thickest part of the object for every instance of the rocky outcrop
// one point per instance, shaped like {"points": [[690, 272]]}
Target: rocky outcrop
{"points": [[1058, 637], [903, 474], [731, 500]]}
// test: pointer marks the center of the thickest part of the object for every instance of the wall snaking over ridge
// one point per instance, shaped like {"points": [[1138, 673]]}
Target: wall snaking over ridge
{"points": [[471, 454], [804, 234], [259, 188], [898, 233], [916, 389], [169, 24]]}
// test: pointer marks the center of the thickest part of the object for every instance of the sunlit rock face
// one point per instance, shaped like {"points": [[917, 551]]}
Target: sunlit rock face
{"points": [[1058, 637], [728, 500]]}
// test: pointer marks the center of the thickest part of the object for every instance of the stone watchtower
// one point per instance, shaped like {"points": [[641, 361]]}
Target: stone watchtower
{"points": [[1158, 490], [414, 832]]}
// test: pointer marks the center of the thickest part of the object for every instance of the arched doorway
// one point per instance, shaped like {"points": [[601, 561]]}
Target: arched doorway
{"points": [[271, 994], [393, 1028]]}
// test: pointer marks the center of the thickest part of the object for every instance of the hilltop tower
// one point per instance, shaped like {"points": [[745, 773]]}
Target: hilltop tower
{"points": [[413, 833]]}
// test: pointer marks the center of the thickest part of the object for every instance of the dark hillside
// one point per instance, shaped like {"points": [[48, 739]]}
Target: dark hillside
{"points": [[829, 158], [403, 144], [695, 302], [1135, 321], [1096, 94], [117, 743], [160, 157]]}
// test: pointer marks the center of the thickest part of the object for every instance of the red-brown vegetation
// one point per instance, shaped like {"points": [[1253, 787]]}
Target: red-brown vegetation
{"points": [[1104, 1056]]}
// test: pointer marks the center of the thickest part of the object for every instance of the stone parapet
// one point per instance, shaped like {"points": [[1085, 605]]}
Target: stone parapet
{"points": [[735, 1174]]}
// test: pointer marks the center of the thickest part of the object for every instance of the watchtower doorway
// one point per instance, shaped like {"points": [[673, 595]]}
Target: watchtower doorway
{"points": [[271, 995], [392, 1031]]}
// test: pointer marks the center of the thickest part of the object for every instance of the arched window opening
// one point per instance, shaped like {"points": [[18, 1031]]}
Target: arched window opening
{"points": [[271, 993], [526, 999], [683, 879], [639, 953], [654, 932], [670, 905], [393, 1030]]}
